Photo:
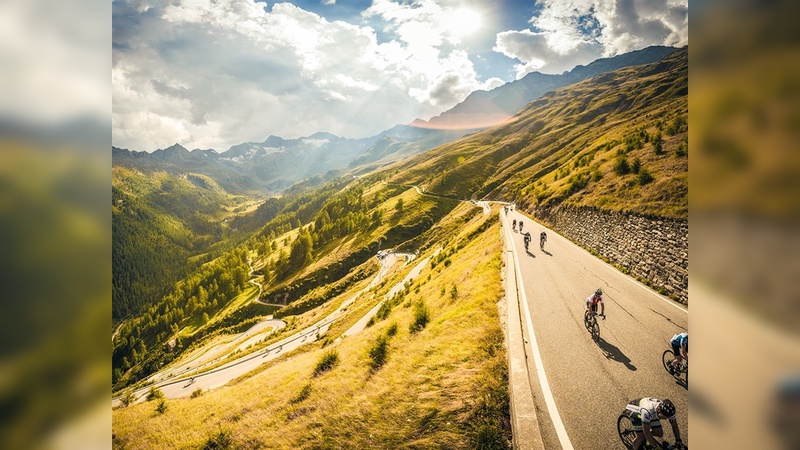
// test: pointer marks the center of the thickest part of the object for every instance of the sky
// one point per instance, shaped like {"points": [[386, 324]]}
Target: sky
{"points": [[216, 73]]}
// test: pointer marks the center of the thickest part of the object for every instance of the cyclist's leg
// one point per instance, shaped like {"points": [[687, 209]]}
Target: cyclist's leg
{"points": [[677, 352]]}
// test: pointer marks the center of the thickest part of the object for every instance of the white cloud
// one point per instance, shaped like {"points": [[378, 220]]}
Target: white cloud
{"points": [[213, 75], [570, 32], [536, 54]]}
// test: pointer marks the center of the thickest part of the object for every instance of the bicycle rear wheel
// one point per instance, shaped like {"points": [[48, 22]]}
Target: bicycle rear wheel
{"points": [[667, 358], [625, 430]]}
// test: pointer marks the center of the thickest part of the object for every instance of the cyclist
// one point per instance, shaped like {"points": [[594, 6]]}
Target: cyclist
{"points": [[542, 239], [680, 347], [646, 415], [514, 225], [527, 238], [520, 226], [593, 300]]}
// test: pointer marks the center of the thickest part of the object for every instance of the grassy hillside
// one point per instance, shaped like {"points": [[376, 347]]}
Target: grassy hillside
{"points": [[432, 373], [618, 141], [308, 253]]}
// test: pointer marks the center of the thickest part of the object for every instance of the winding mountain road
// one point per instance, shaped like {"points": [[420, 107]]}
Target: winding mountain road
{"points": [[174, 387], [580, 386]]}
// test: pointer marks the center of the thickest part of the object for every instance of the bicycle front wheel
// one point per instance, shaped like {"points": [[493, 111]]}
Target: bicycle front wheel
{"points": [[625, 430], [667, 358], [595, 331]]}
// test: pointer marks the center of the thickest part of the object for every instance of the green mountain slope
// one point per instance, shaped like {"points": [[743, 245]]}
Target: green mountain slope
{"points": [[159, 220], [617, 141]]}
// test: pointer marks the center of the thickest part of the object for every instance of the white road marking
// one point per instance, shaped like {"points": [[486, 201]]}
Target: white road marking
{"points": [[561, 431]]}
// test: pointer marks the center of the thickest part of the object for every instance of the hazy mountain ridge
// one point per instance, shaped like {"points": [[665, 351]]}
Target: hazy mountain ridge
{"points": [[276, 163], [493, 107], [570, 144]]}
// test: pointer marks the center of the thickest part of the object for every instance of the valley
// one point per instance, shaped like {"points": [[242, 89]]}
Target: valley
{"points": [[367, 307]]}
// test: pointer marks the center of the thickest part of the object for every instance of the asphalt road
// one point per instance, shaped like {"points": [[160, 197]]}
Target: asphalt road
{"points": [[591, 382]]}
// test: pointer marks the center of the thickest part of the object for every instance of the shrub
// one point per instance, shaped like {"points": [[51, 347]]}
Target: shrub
{"points": [[219, 441], [162, 406], [378, 352], [636, 165], [682, 150], [622, 167], [197, 392], [304, 393], [326, 363], [154, 393], [392, 330], [454, 292], [421, 318], [644, 176], [127, 397]]}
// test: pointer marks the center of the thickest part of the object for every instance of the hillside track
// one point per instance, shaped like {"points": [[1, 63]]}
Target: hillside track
{"points": [[591, 382]]}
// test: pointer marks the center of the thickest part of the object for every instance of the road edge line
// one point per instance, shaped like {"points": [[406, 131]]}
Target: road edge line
{"points": [[550, 401]]}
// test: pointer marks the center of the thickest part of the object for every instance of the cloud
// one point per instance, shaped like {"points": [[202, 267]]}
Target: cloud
{"points": [[566, 33], [213, 75], [536, 53]]}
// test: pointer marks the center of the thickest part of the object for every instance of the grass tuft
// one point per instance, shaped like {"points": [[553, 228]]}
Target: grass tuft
{"points": [[220, 440], [327, 362], [154, 393], [304, 393], [162, 406]]}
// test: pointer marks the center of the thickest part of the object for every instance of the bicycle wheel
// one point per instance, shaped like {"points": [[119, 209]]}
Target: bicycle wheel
{"points": [[625, 430], [595, 331], [667, 358]]}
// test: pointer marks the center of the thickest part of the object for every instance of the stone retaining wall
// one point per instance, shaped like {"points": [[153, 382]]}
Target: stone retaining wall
{"points": [[655, 250]]}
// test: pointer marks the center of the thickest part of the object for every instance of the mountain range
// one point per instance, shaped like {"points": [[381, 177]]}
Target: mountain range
{"points": [[276, 163]]}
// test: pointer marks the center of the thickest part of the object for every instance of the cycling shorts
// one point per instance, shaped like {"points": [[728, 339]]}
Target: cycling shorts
{"points": [[676, 349], [594, 308]]}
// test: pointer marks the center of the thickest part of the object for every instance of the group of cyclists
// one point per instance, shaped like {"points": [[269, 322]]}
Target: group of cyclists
{"points": [[527, 236], [645, 413]]}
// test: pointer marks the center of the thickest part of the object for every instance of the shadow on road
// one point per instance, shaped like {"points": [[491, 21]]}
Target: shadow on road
{"points": [[530, 254], [612, 352], [547, 253]]}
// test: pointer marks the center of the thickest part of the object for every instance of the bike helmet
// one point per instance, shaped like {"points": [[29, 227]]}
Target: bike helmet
{"points": [[598, 292], [667, 408]]}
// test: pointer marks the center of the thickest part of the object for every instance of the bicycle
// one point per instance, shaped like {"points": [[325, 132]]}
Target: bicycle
{"points": [[590, 322], [667, 358], [627, 434], [541, 243]]}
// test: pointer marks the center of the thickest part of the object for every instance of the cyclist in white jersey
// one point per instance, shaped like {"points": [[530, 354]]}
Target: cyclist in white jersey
{"points": [[646, 414]]}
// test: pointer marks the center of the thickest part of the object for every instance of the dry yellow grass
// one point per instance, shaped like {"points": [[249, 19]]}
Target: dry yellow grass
{"points": [[442, 387]]}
